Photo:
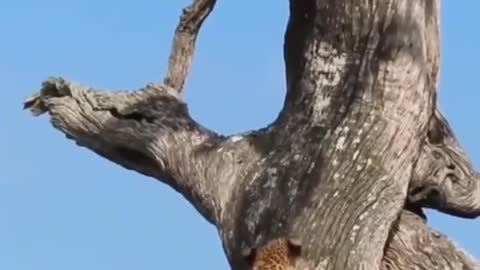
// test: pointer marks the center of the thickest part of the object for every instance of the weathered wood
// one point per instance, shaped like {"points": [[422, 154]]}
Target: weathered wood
{"points": [[333, 171], [444, 178], [359, 100], [184, 40], [415, 246]]}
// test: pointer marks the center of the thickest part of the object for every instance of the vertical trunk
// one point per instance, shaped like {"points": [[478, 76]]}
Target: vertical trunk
{"points": [[341, 152]]}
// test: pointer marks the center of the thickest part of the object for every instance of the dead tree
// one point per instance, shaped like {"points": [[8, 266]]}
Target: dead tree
{"points": [[359, 133]]}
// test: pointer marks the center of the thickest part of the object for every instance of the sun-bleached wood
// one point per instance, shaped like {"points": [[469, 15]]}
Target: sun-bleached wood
{"points": [[358, 148]]}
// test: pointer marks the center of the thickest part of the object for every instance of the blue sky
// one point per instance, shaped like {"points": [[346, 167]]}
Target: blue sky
{"points": [[63, 207]]}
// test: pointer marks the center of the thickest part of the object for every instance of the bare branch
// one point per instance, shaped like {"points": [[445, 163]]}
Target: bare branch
{"points": [[148, 131], [444, 177], [413, 245], [183, 46]]}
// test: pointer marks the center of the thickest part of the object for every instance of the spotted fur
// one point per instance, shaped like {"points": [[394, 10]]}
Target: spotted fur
{"points": [[278, 254]]}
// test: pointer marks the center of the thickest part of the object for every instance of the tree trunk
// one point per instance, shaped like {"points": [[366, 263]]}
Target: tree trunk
{"points": [[359, 134]]}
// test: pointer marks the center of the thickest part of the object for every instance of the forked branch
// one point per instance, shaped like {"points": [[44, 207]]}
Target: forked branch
{"points": [[150, 130]]}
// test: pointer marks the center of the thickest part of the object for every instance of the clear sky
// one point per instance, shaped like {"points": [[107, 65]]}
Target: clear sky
{"points": [[63, 207]]}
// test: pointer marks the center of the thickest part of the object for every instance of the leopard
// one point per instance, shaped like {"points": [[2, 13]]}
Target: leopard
{"points": [[276, 254]]}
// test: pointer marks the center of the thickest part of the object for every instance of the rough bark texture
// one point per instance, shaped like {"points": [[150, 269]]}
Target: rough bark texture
{"points": [[359, 134], [444, 178], [414, 246]]}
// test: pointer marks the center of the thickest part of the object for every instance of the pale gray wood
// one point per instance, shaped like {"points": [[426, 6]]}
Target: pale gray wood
{"points": [[444, 178], [345, 167]]}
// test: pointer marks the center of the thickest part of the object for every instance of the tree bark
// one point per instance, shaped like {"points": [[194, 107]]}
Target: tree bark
{"points": [[444, 178], [359, 134]]}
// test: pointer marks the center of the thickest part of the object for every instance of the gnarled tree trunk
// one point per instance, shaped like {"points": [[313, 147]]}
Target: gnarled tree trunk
{"points": [[359, 134]]}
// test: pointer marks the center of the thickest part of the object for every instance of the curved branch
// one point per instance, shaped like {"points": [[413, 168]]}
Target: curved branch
{"points": [[151, 132], [444, 178], [184, 42]]}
